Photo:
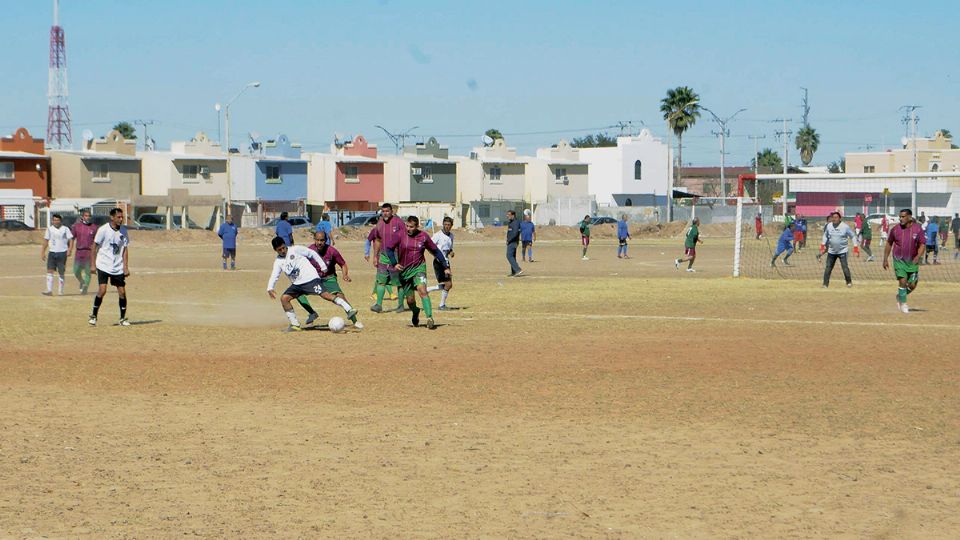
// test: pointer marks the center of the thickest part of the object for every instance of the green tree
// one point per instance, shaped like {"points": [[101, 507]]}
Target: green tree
{"points": [[126, 129], [838, 166], [680, 108], [768, 159], [598, 140], [494, 134], [807, 142], [948, 135]]}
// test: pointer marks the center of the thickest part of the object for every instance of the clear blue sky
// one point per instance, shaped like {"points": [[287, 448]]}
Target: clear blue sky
{"points": [[458, 68]]}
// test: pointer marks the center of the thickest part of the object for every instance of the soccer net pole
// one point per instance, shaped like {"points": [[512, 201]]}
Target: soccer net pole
{"points": [[738, 238]]}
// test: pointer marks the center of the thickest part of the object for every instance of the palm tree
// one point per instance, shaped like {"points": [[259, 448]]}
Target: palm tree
{"points": [[807, 142], [680, 109]]}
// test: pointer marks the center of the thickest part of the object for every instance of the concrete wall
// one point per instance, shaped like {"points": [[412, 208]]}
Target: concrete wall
{"points": [[563, 211], [243, 178], [369, 184]]}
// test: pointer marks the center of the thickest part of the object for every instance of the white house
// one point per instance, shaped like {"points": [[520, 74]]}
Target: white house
{"points": [[491, 181], [557, 185], [636, 172], [196, 165]]}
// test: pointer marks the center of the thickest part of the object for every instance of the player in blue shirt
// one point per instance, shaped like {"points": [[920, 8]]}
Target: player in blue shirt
{"points": [[528, 235], [933, 244], [285, 230], [228, 233], [784, 244], [327, 228], [623, 234]]}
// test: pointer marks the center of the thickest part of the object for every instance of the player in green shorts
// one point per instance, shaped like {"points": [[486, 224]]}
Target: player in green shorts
{"points": [[385, 233], [907, 243], [407, 254]]}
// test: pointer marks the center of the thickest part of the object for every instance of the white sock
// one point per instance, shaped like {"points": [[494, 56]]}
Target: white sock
{"points": [[342, 303], [443, 297], [49, 282], [293, 318], [433, 288], [60, 282]]}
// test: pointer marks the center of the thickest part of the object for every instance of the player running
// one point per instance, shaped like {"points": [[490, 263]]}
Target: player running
{"points": [[331, 287], [407, 256], [295, 262], [387, 232], [784, 244], [906, 242], [111, 251], [690, 246], [444, 241], [585, 235]]}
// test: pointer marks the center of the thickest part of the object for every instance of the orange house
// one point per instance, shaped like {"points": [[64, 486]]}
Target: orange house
{"points": [[358, 177], [23, 164]]}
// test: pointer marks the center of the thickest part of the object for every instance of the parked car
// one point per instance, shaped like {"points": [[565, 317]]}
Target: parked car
{"points": [[14, 225], [297, 222], [877, 219], [601, 220], [158, 222], [362, 221]]}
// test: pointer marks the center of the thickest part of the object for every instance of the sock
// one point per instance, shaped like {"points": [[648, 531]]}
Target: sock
{"points": [[233, 264], [427, 306], [380, 290], [530, 254], [224, 264], [305, 304], [342, 303], [433, 288], [443, 297], [584, 252], [123, 307], [901, 295], [292, 317], [49, 282], [60, 283], [97, 300]]}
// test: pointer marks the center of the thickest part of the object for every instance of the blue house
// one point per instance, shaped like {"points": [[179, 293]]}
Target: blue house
{"points": [[271, 179]]}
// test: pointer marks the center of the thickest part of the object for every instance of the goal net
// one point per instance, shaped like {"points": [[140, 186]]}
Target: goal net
{"points": [[868, 203]]}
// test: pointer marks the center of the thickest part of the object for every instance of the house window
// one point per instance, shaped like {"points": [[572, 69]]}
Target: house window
{"points": [[560, 176], [101, 173], [352, 175], [205, 171], [483, 211], [426, 175], [6, 170], [637, 170], [190, 172], [273, 174], [869, 168], [628, 202], [935, 167], [495, 173]]}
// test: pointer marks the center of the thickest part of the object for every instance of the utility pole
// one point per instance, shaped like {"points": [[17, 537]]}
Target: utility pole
{"points": [[912, 109], [626, 126], [786, 150], [723, 134], [805, 105], [145, 124], [756, 163], [399, 139]]}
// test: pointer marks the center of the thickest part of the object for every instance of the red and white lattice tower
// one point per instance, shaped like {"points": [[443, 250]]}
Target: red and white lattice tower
{"points": [[58, 111]]}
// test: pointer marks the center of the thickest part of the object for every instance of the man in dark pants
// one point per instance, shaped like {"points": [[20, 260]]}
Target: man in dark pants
{"points": [[513, 239], [836, 242]]}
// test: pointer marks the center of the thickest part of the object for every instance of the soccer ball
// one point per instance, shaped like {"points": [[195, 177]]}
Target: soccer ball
{"points": [[336, 325]]}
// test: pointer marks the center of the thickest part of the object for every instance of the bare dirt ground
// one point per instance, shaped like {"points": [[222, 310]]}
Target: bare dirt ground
{"points": [[602, 399]]}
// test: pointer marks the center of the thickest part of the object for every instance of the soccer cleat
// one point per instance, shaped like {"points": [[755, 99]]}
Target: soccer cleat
{"points": [[83, 290], [400, 309], [849, 285], [358, 325], [430, 324], [310, 318], [870, 259], [415, 319], [92, 321], [376, 308], [785, 263], [676, 263], [518, 274], [690, 270], [48, 293], [773, 264], [351, 314], [393, 296], [904, 308], [294, 328], [585, 258], [123, 322], [443, 307]]}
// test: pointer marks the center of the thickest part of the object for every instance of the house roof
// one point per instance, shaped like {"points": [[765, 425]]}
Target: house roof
{"points": [[429, 160], [564, 162], [99, 155], [503, 161], [15, 154], [184, 157], [357, 159]]}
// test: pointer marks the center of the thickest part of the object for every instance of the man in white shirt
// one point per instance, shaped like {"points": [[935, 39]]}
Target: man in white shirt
{"points": [[444, 241], [57, 244], [110, 250], [297, 262]]}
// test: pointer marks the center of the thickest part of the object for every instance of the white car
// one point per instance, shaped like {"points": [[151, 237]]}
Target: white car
{"points": [[877, 219]]}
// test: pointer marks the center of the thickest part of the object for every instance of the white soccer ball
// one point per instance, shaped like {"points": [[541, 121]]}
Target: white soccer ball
{"points": [[336, 325]]}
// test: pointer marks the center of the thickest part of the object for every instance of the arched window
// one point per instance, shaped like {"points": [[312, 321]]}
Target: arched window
{"points": [[628, 202], [935, 167], [637, 170]]}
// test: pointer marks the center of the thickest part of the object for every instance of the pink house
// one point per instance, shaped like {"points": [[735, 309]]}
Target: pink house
{"points": [[358, 177]]}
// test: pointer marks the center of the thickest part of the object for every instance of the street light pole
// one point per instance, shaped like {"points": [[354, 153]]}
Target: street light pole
{"points": [[724, 132], [670, 167], [254, 84]]}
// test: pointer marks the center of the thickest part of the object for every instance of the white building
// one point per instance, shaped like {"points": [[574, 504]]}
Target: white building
{"points": [[636, 172], [557, 185], [196, 165]]}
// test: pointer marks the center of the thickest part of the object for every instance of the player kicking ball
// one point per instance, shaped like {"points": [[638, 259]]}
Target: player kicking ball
{"points": [[331, 287], [295, 262], [406, 254]]}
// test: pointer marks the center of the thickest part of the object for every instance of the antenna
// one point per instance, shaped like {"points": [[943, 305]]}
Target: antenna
{"points": [[59, 128], [145, 124], [87, 135], [399, 139], [805, 105]]}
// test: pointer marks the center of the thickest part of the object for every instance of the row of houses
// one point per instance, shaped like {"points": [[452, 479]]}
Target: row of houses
{"points": [[559, 183]]}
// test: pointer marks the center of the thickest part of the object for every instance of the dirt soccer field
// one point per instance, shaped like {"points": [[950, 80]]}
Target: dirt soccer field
{"points": [[598, 399]]}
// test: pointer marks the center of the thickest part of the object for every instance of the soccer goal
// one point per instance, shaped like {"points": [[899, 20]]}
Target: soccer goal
{"points": [[868, 202]]}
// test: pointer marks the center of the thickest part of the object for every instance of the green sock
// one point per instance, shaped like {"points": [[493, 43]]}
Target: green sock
{"points": [[389, 289], [380, 290], [909, 290], [427, 306], [901, 295], [353, 319], [306, 304]]}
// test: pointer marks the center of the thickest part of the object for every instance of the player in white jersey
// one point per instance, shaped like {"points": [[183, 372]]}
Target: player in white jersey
{"points": [[110, 250], [444, 241], [57, 245], [295, 262]]}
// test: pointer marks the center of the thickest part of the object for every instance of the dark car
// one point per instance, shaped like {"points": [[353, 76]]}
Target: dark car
{"points": [[297, 222], [362, 221], [158, 222], [602, 220], [14, 225]]}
